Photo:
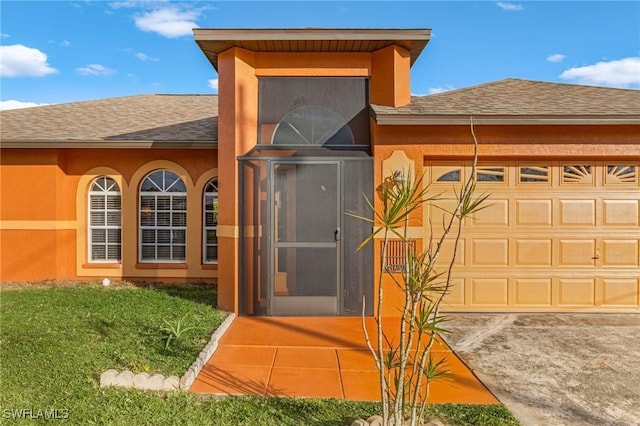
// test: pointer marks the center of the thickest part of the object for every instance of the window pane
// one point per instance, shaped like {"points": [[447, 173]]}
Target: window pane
{"points": [[113, 202], [114, 236], [164, 219], [621, 174], [148, 252], [98, 236], [97, 219], [113, 218], [147, 219], [164, 236], [147, 202], [453, 176], [179, 219], [163, 202], [173, 183], [179, 237], [212, 238], [98, 252], [580, 173], [179, 203], [490, 174], [534, 174], [164, 252], [211, 219], [113, 252], [97, 202], [212, 253], [148, 236], [179, 253]]}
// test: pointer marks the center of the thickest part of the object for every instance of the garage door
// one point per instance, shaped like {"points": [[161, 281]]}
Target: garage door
{"points": [[556, 235]]}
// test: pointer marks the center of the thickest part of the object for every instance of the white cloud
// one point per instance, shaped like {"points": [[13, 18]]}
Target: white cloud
{"points": [[434, 90], [556, 57], [94, 69], [18, 60], [4, 35], [618, 73], [213, 83], [144, 57], [13, 104], [65, 43], [170, 22], [509, 6], [122, 4]]}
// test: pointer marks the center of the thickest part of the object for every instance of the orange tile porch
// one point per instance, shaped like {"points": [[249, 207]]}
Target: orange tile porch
{"points": [[321, 357]]}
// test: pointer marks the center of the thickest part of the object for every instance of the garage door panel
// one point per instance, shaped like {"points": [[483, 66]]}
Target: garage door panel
{"points": [[620, 292], [577, 252], [456, 293], [620, 252], [621, 212], [494, 213], [533, 213], [577, 212], [533, 252], [446, 252], [533, 292], [489, 291], [439, 213], [490, 252], [577, 292]]}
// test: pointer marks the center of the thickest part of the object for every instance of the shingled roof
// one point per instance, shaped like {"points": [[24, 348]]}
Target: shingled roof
{"points": [[513, 101], [142, 120]]}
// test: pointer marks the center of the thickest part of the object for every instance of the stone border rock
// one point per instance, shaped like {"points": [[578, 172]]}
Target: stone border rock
{"points": [[158, 382]]}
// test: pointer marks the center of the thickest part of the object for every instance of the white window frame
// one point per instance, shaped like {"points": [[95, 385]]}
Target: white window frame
{"points": [[210, 192], [163, 189], [105, 188]]}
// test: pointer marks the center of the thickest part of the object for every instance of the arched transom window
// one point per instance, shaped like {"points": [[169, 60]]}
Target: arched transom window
{"points": [[104, 221], [210, 222], [163, 218]]}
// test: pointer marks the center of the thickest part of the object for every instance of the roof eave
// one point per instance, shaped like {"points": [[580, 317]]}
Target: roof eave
{"points": [[414, 39], [108, 144], [420, 119]]}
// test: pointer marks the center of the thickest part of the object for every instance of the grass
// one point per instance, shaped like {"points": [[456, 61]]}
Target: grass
{"points": [[56, 341]]}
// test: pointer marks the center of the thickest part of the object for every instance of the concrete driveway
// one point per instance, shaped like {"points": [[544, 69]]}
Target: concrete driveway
{"points": [[555, 369]]}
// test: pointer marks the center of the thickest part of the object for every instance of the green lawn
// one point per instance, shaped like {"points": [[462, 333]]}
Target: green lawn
{"points": [[55, 342]]}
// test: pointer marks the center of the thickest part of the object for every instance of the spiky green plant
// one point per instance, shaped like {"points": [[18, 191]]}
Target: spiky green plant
{"points": [[406, 368]]}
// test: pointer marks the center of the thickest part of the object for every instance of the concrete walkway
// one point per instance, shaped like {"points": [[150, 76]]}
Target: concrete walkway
{"points": [[556, 369], [316, 357]]}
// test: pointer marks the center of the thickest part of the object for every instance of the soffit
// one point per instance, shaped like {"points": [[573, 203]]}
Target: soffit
{"points": [[212, 42]]}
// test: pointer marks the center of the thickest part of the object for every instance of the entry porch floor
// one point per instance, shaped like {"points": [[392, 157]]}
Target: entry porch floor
{"points": [[319, 357]]}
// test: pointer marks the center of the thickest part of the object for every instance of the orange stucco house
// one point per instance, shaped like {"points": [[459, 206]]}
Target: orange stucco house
{"points": [[251, 188]]}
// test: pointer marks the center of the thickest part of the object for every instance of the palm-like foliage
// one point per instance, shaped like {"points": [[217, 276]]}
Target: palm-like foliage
{"points": [[406, 368]]}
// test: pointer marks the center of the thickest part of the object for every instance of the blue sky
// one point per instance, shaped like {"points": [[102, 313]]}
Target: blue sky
{"points": [[63, 51]]}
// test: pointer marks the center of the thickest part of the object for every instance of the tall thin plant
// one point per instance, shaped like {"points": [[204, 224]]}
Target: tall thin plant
{"points": [[407, 368]]}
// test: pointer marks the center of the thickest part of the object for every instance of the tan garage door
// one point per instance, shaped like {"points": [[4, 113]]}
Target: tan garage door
{"points": [[556, 236]]}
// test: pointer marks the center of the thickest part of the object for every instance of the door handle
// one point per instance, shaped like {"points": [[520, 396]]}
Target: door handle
{"points": [[336, 234]]}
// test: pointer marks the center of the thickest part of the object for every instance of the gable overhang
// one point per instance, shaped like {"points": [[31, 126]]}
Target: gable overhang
{"points": [[212, 42]]}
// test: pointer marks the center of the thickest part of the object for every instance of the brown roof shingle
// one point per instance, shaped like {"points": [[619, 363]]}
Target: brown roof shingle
{"points": [[515, 97], [156, 118]]}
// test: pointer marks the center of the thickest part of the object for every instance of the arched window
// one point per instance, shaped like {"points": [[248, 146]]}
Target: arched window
{"points": [[312, 125], [104, 221], [163, 218], [210, 222]]}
